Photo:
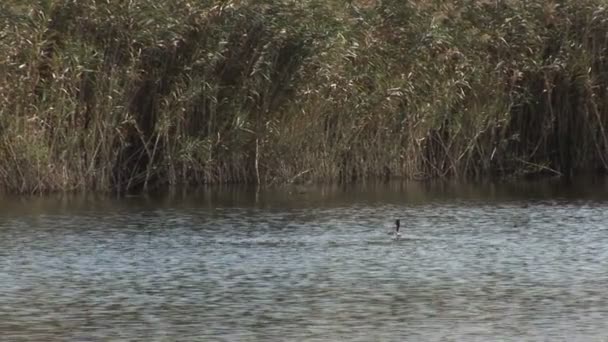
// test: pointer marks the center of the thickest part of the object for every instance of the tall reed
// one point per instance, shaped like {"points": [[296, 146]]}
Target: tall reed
{"points": [[127, 96]]}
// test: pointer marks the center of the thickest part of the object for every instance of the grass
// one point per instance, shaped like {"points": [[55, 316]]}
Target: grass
{"points": [[130, 96]]}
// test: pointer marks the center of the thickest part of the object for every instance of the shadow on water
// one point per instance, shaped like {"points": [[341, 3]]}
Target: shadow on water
{"points": [[521, 261], [413, 193]]}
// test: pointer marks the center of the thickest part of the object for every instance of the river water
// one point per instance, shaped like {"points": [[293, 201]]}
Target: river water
{"points": [[526, 262]]}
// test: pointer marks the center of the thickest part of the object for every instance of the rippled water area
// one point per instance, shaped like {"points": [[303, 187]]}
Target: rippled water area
{"points": [[523, 262]]}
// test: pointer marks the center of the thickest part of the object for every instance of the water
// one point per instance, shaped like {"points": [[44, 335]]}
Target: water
{"points": [[482, 263]]}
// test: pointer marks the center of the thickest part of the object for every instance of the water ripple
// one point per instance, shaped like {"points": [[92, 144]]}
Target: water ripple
{"points": [[465, 271]]}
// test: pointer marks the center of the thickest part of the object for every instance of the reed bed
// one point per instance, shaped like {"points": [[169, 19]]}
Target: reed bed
{"points": [[133, 95]]}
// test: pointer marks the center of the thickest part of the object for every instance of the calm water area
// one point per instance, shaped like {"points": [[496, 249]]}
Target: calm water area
{"points": [[511, 262]]}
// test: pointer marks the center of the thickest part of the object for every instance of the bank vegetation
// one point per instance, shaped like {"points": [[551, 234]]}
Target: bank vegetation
{"points": [[140, 94]]}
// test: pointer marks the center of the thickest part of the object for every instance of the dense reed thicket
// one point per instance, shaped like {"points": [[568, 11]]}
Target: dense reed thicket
{"points": [[129, 95]]}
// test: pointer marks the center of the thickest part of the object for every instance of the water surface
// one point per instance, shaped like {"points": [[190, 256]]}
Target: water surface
{"points": [[520, 262]]}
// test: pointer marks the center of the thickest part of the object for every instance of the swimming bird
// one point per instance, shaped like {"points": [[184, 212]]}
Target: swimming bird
{"points": [[396, 233]]}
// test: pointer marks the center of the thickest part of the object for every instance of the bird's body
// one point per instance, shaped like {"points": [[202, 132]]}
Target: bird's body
{"points": [[396, 233]]}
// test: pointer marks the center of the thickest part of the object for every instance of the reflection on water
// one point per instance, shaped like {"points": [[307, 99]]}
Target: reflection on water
{"points": [[477, 264]]}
